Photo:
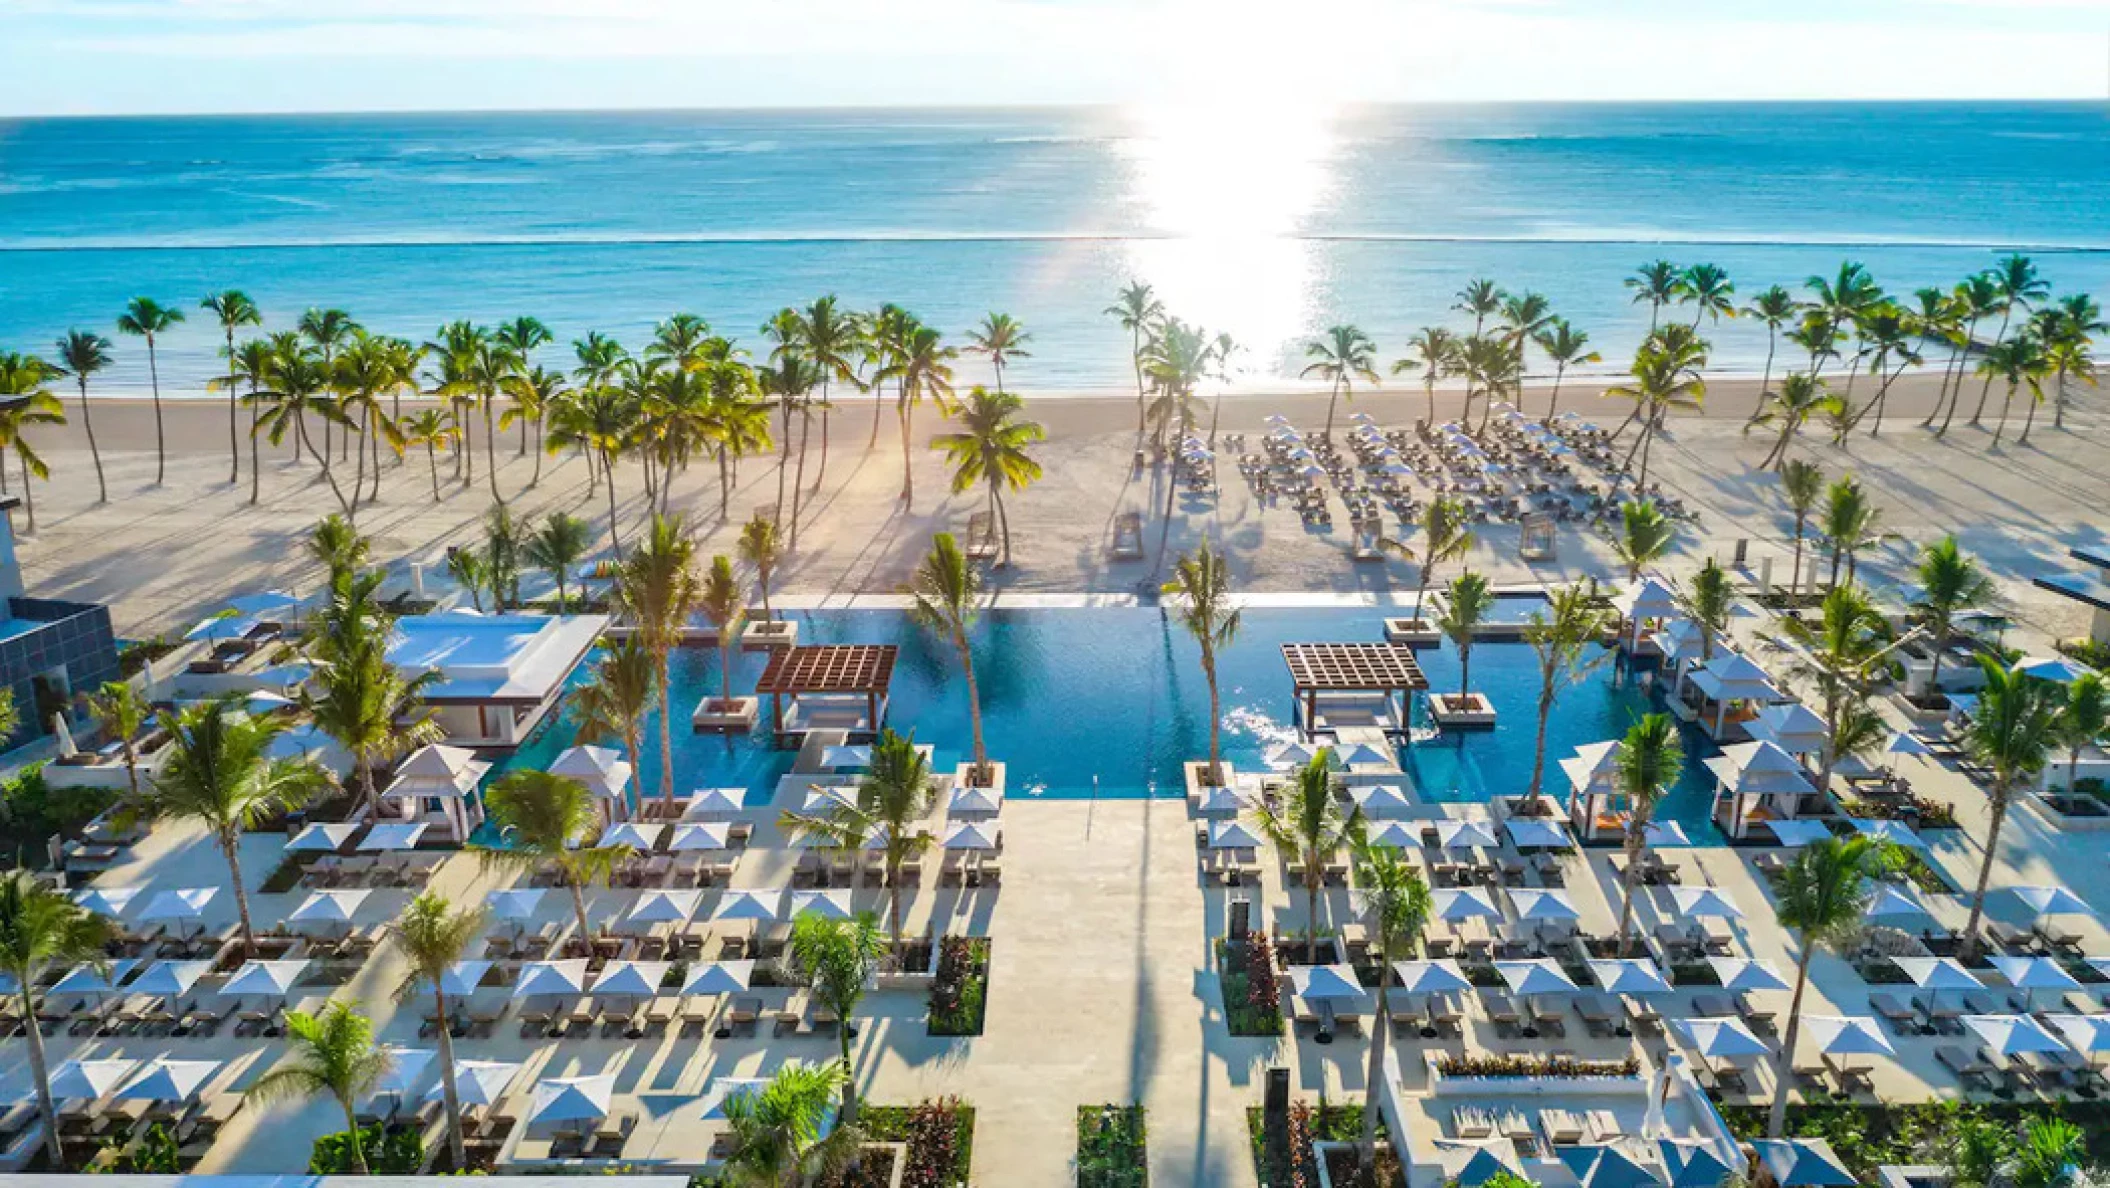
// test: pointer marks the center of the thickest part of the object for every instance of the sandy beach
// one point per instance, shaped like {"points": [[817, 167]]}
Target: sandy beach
{"points": [[161, 556]]}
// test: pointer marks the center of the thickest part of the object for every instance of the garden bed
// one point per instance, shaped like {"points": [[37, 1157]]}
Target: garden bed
{"points": [[393, 1151], [937, 1139], [35, 810], [1252, 998], [1111, 1147], [1870, 1136], [1292, 1161], [960, 988]]}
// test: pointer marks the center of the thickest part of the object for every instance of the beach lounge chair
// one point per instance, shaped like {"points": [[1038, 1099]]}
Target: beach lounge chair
{"points": [[1472, 1122], [1901, 1017], [1970, 1067]]}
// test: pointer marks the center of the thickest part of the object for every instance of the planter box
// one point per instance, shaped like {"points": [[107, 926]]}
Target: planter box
{"points": [[1319, 1150], [1472, 712], [715, 716], [961, 774], [1195, 774], [1415, 633], [2068, 822], [919, 982], [1620, 1086], [762, 635]]}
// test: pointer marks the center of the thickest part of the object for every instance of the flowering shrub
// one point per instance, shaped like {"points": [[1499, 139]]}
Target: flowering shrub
{"points": [[959, 986], [1463, 1065], [1262, 993]]}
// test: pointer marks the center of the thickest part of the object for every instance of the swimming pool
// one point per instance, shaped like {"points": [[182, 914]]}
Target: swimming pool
{"points": [[1109, 701]]}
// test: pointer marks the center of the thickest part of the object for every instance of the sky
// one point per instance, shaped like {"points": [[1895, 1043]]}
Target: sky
{"points": [[160, 56]]}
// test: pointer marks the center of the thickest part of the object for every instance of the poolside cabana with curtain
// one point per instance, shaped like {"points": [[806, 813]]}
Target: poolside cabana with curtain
{"points": [[1724, 694], [1757, 783], [1367, 685], [1596, 807], [828, 687], [436, 787]]}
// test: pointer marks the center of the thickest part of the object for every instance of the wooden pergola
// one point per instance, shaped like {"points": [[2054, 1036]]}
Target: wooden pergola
{"points": [[840, 670], [1316, 669]]}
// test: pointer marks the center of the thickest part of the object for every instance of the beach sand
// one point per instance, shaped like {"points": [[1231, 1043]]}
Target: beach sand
{"points": [[163, 556]]}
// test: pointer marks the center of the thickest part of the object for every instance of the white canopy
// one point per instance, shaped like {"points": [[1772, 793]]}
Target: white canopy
{"points": [[438, 771], [1629, 976], [1539, 976], [329, 907], [603, 770], [188, 903], [749, 905], [393, 835], [87, 979], [664, 905], [1381, 801], [1594, 768], [1541, 903], [1646, 599], [2012, 1035], [1664, 833], [1938, 973], [320, 837], [405, 1067], [551, 977], [1798, 831], [463, 977], [108, 901], [831, 904], [1791, 726], [971, 835], [1721, 1037], [631, 978], [572, 1099], [1431, 977], [1473, 1162], [479, 1082], [1466, 835], [1363, 755], [841, 758], [1705, 902], [719, 977], [1758, 768], [714, 802], [2086, 1034], [163, 1079], [1294, 754], [1841, 1035], [1400, 835], [701, 835], [1733, 676], [1326, 983], [634, 834], [970, 800], [1746, 973], [1210, 800], [516, 903], [1231, 835], [270, 979], [1463, 903], [2035, 973], [2051, 901], [1527, 833], [86, 1080]]}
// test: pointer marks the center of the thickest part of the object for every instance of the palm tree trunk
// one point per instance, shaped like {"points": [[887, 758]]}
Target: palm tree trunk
{"points": [[1538, 757], [40, 1072], [1367, 1143], [1216, 719], [1626, 888], [893, 895], [578, 907], [102, 488], [666, 734], [2029, 421], [29, 494], [798, 483], [491, 453], [1784, 1061], [2005, 404], [1795, 578], [1985, 867], [1331, 399], [1003, 518], [234, 439], [432, 459], [907, 412], [350, 512], [351, 1128], [1315, 864], [256, 471], [1986, 388], [974, 706], [1765, 378], [1554, 402], [359, 474], [821, 473], [455, 1149], [1429, 387], [229, 847], [783, 464], [161, 452], [725, 487]]}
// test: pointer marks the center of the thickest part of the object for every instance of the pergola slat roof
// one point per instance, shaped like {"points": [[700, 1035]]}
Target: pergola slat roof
{"points": [[829, 668], [1353, 667]]}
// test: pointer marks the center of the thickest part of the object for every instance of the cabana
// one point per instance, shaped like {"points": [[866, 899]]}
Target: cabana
{"points": [[827, 687], [1353, 685], [1641, 602], [1596, 807], [436, 787], [1726, 686], [498, 676], [1791, 726], [605, 773], [1757, 783]]}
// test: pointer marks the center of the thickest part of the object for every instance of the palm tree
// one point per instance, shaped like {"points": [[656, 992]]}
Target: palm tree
{"points": [[2017, 362], [829, 340], [1645, 536], [761, 547], [503, 544], [1202, 583], [2071, 341], [597, 421], [545, 820], [220, 775], [1889, 333], [722, 604], [1950, 582], [1823, 894], [466, 566], [1481, 298], [1649, 761], [1776, 307], [337, 545], [557, 546], [1849, 524], [433, 937], [2015, 280], [1566, 637], [81, 355], [123, 713], [1801, 482], [325, 330], [1976, 299], [41, 930], [894, 798], [1818, 335], [431, 428], [331, 1053], [1656, 285], [657, 589], [780, 1132], [991, 448], [1343, 356], [925, 370], [1841, 651], [24, 402], [1801, 396], [1489, 368], [1445, 537], [233, 310], [1524, 317], [948, 596], [148, 318], [1666, 376], [1306, 828], [1567, 347], [616, 703], [369, 706], [1708, 600], [1434, 350], [837, 960], [1138, 311], [534, 392], [1000, 339], [2083, 720], [1397, 904], [300, 386], [2012, 733], [1465, 606], [1177, 360]]}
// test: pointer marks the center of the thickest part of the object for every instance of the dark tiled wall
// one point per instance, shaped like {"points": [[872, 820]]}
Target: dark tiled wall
{"points": [[75, 634]]}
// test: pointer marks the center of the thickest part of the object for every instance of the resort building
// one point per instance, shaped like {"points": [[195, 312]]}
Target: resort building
{"points": [[2091, 589], [499, 675], [52, 652]]}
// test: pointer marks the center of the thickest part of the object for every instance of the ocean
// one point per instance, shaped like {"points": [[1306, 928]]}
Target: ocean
{"points": [[1267, 229]]}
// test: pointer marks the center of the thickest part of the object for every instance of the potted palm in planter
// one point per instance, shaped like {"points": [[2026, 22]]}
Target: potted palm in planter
{"points": [[1466, 603], [1444, 537]]}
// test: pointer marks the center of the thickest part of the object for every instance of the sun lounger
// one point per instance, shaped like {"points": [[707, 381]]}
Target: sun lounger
{"points": [[1472, 1122], [1604, 1126], [1970, 1067], [1564, 1128], [1902, 1018]]}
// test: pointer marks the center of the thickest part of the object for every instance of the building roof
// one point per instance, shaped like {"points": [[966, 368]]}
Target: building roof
{"points": [[508, 659], [829, 668], [2079, 587], [1353, 666]]}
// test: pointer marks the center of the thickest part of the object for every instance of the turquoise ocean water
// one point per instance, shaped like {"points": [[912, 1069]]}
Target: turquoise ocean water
{"points": [[611, 220]]}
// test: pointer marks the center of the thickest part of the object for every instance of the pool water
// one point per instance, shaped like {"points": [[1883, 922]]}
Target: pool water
{"points": [[1110, 701]]}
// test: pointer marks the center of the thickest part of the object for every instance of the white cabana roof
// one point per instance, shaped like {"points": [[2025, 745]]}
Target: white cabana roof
{"points": [[318, 837], [1798, 831], [1682, 639], [1758, 768], [700, 835], [329, 907], [1791, 726], [438, 770], [572, 1099], [1646, 599], [393, 835], [1594, 767], [550, 977], [719, 977], [1846, 1035], [603, 770], [1733, 676], [714, 802]]}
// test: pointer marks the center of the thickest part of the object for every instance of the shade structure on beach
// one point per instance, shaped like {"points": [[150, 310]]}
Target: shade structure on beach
{"points": [[1661, 834], [86, 1080], [1605, 1165], [163, 1079], [1791, 726], [1431, 977], [664, 905], [825, 799], [441, 772], [1853, 767], [265, 979], [1936, 974], [1363, 755], [700, 835], [1847, 1035], [1803, 1163], [2086, 1034], [406, 1066], [969, 800], [1895, 832], [572, 1099], [1798, 831], [2013, 1035], [636, 835], [1294, 754], [479, 1082], [187, 903], [1537, 833], [603, 770], [2051, 901], [1894, 903], [971, 836], [1463, 903], [829, 904], [719, 977], [1692, 1163], [1635, 975], [1701, 903], [107, 901], [1539, 976], [2051, 668], [1543, 903], [393, 835], [2031, 974], [1733, 676], [1326, 983], [1400, 835], [463, 977], [517, 903], [329, 907], [1381, 801], [1232, 835], [1904, 742], [634, 979], [749, 905], [1472, 1162], [1746, 973], [708, 803], [1466, 835], [1720, 1038], [551, 977], [87, 979], [322, 838]]}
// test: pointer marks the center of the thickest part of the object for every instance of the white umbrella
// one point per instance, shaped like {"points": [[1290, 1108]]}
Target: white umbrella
{"points": [[1466, 835], [1431, 977], [479, 1082], [2013, 1035], [2052, 901], [714, 802], [1803, 1163], [1840, 1035], [749, 905], [664, 905], [551, 977], [221, 627], [719, 977], [1534, 833], [1745, 973], [321, 838], [1721, 1037], [603, 770], [393, 835], [971, 835], [329, 907], [1362, 755], [1397, 834], [1214, 800], [86, 1080], [633, 834], [405, 1067], [163, 1079], [1534, 903], [969, 800], [86, 979], [1895, 832], [463, 977], [1610, 1167], [638, 979], [265, 979], [837, 758], [1853, 767], [1891, 902], [1904, 742], [1231, 835], [1691, 1163], [828, 904], [2086, 1034], [701, 835], [187, 903], [724, 1089], [264, 602], [1629, 976], [1798, 831], [108, 901], [823, 800], [572, 1099], [1534, 977], [1464, 903], [1705, 902], [1294, 754], [1664, 834], [2031, 974], [1326, 983], [518, 903], [1936, 974], [1472, 1162]]}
